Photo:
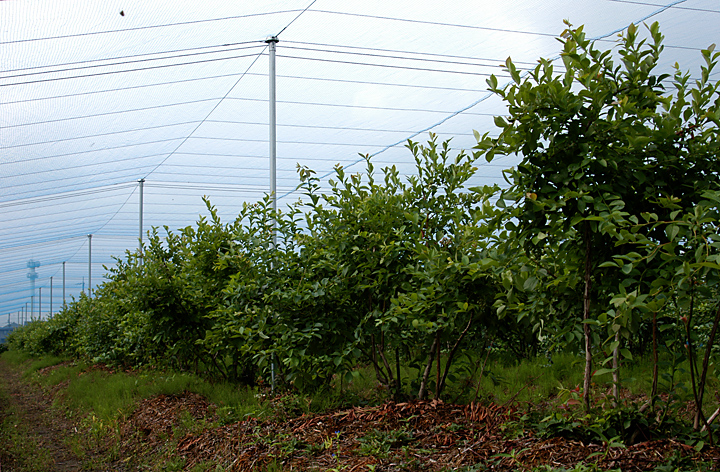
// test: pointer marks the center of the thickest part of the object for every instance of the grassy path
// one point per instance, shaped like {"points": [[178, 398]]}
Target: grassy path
{"points": [[33, 436]]}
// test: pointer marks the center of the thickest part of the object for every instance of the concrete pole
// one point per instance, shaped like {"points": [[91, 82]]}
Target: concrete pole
{"points": [[63, 283], [90, 265], [272, 41], [39, 303], [140, 236], [50, 297], [273, 133]]}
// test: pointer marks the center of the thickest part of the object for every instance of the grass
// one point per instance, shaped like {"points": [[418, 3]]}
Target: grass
{"points": [[99, 400], [530, 380], [17, 442], [538, 380], [32, 364], [110, 395]]}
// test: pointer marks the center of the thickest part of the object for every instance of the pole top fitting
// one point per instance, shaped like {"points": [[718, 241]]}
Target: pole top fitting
{"points": [[141, 180], [272, 39]]}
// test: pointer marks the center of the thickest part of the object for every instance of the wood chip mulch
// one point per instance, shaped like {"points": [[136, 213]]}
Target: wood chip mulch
{"points": [[427, 435]]}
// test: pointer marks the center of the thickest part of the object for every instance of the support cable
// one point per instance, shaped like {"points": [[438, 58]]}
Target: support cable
{"points": [[140, 28], [138, 69], [93, 63]]}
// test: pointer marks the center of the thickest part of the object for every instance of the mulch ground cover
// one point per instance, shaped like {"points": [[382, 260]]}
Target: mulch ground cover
{"points": [[427, 435]]}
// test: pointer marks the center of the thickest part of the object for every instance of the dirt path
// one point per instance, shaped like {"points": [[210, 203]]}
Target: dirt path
{"points": [[34, 435]]}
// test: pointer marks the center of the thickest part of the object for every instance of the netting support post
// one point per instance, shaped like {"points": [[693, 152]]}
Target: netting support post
{"points": [[272, 41], [89, 265], [140, 235]]}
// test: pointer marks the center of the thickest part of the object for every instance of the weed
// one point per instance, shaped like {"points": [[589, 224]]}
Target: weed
{"points": [[206, 466], [274, 466], [288, 445], [174, 465], [514, 458], [680, 463], [379, 443], [513, 429]]}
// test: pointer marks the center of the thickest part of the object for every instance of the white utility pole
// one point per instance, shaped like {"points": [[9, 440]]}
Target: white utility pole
{"points": [[273, 132], [140, 237], [272, 41], [90, 265]]}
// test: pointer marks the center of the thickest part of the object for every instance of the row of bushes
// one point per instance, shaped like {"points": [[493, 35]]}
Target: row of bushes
{"points": [[370, 272], [588, 250]]}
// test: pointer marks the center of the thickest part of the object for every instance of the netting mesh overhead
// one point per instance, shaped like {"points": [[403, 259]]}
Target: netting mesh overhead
{"points": [[97, 95]]}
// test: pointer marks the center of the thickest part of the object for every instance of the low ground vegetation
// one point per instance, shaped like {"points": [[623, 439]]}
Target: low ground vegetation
{"points": [[154, 421], [603, 249]]}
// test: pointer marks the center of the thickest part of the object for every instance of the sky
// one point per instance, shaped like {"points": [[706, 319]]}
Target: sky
{"points": [[95, 96]]}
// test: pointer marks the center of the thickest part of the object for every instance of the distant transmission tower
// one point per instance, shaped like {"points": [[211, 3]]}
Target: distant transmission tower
{"points": [[32, 275]]}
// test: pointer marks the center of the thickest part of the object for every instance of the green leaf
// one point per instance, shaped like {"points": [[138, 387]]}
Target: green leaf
{"points": [[500, 122], [492, 82], [711, 265], [513, 71], [603, 371], [530, 283]]}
